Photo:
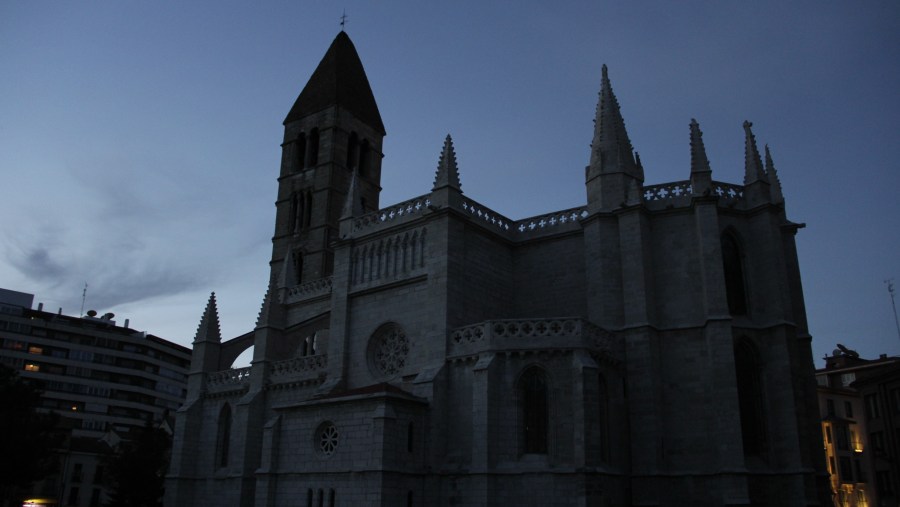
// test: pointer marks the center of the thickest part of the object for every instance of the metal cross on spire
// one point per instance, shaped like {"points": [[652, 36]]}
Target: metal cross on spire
{"points": [[343, 19]]}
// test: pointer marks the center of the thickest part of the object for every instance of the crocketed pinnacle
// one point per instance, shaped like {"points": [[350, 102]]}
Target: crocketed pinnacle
{"points": [[262, 317], [753, 168], [353, 202], [775, 188], [699, 162], [209, 330], [447, 174], [611, 150], [339, 80]]}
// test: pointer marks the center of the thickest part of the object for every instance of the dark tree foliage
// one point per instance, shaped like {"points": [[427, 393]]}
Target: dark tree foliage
{"points": [[27, 437], [138, 468]]}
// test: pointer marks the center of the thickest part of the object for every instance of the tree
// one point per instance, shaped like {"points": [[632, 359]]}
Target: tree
{"points": [[138, 468], [27, 437]]}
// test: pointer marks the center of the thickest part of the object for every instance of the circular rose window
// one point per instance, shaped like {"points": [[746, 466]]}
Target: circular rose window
{"points": [[327, 438], [388, 350]]}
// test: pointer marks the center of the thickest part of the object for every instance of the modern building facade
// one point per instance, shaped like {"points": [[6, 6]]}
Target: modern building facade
{"points": [[104, 380], [646, 347]]}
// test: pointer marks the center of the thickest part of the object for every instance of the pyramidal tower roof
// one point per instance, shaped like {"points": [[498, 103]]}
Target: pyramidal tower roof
{"points": [[447, 174], [339, 80]]}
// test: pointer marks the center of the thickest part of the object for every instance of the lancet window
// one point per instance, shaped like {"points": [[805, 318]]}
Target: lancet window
{"points": [[299, 153], [748, 370], [312, 148], [735, 288], [223, 437], [534, 410]]}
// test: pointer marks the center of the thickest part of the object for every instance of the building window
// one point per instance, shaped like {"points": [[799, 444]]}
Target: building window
{"points": [[321, 498], [34, 349], [73, 496], [603, 417], [223, 440], [829, 407], [312, 149], [750, 397], [843, 438], [734, 275], [846, 469], [299, 152], [848, 409], [352, 151], [876, 440], [872, 409], [95, 497], [309, 497], [32, 367], [327, 438], [76, 472], [364, 159], [388, 350], [534, 410], [331, 499], [884, 483], [409, 499]]}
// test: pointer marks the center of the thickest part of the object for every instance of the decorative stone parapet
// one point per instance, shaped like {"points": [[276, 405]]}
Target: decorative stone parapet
{"points": [[522, 334], [678, 193], [298, 368], [227, 380], [395, 213], [309, 290]]}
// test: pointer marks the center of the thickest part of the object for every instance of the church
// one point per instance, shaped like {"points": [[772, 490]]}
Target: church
{"points": [[646, 347]]}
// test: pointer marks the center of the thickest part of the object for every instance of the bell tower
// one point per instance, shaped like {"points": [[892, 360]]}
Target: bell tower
{"points": [[333, 130]]}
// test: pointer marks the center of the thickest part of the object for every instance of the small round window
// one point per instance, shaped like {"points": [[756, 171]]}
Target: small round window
{"points": [[327, 438], [388, 350]]}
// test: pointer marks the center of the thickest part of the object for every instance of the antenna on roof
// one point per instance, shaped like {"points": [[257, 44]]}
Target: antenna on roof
{"points": [[343, 19], [890, 287], [83, 297]]}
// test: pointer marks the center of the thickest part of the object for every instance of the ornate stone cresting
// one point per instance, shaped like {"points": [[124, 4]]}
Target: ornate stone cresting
{"points": [[299, 368], [394, 213], [753, 168]]}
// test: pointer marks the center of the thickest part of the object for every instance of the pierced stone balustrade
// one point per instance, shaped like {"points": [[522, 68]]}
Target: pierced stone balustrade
{"points": [[562, 333], [309, 290], [299, 368], [394, 213], [227, 380]]}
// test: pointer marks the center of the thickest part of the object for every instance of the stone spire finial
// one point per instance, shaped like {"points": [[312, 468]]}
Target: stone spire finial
{"points": [[753, 168], [701, 173], [639, 166], [611, 150], [208, 330], [447, 172], [775, 188], [353, 202], [699, 162]]}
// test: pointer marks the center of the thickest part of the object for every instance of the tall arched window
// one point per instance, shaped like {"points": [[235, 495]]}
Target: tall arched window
{"points": [[748, 370], [534, 410], [364, 158], [734, 275], [223, 437], [603, 417], [352, 151], [299, 158], [312, 148]]}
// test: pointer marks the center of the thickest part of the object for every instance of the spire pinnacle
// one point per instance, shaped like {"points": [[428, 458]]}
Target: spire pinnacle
{"points": [[753, 168], [353, 202], [611, 150], [775, 188], [447, 172], [208, 330], [699, 162], [263, 318]]}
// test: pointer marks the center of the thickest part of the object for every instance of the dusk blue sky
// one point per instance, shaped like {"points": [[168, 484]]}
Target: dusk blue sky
{"points": [[139, 141]]}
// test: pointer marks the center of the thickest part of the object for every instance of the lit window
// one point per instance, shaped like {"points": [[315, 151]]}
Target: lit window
{"points": [[32, 367], [35, 350]]}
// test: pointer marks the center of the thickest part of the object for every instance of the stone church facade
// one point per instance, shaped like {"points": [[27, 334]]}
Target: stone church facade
{"points": [[649, 347]]}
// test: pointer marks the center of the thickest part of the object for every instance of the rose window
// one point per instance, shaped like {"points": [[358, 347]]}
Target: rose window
{"points": [[388, 350], [328, 439]]}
